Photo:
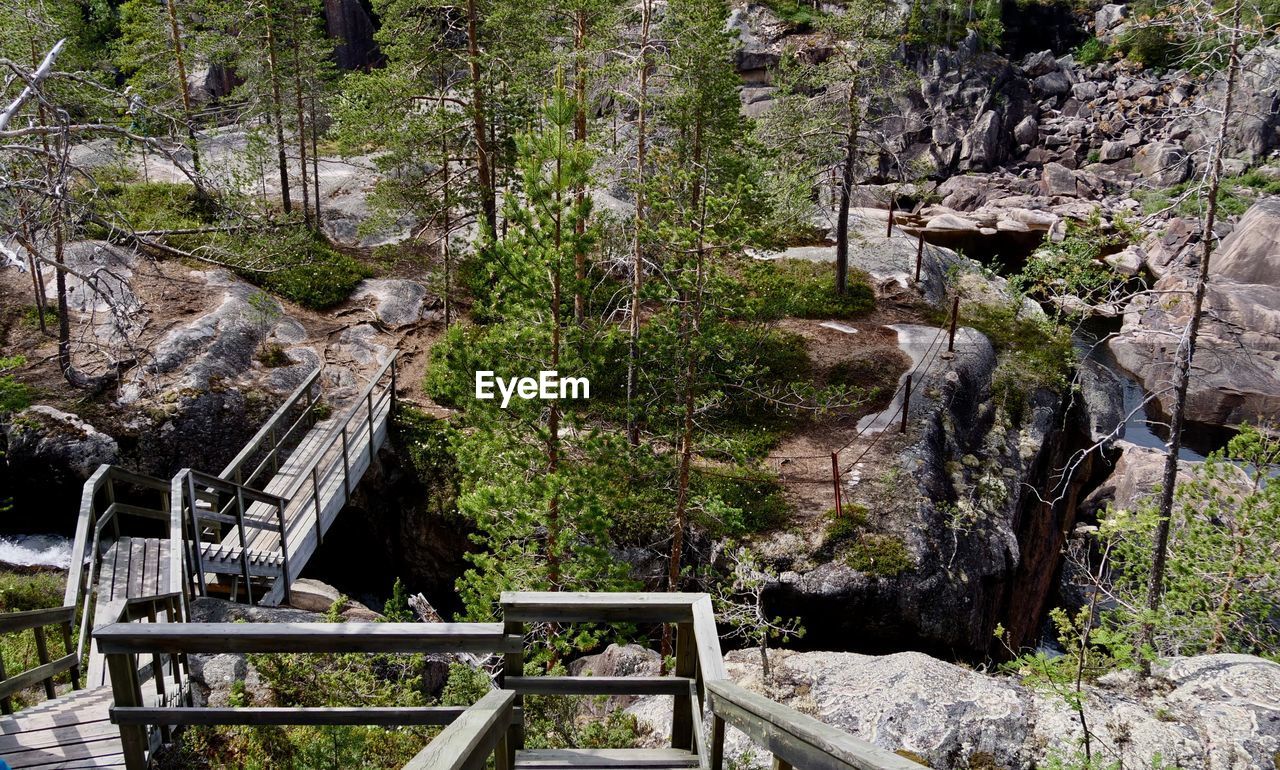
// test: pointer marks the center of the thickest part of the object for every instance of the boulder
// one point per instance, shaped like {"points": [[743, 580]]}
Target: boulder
{"points": [[1052, 84], [1058, 180], [52, 451], [1251, 254], [1039, 64], [1216, 712], [1163, 163], [312, 595], [1027, 131], [1112, 151], [396, 302], [983, 146], [1108, 17], [1137, 473]]}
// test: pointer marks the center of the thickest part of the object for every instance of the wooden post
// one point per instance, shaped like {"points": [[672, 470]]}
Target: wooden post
{"points": [[6, 705], [369, 406], [42, 654], [196, 550], [513, 665], [717, 742], [955, 317], [835, 482], [889, 230], [284, 548], [919, 255], [682, 708], [780, 764], [66, 643], [906, 404], [126, 692], [346, 463], [315, 495], [391, 410], [244, 544]]}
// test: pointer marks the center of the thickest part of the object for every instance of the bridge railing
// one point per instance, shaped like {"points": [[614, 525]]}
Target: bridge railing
{"points": [[203, 505], [262, 456], [124, 643], [102, 507], [47, 670]]}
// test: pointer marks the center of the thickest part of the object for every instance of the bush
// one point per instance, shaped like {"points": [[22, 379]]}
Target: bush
{"points": [[35, 591], [1092, 51], [311, 272], [1152, 46], [800, 16], [1255, 179], [749, 500], [846, 526], [32, 315]]}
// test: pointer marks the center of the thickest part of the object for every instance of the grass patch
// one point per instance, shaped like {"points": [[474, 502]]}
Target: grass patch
{"points": [[878, 555], [875, 372], [272, 356], [289, 260], [1256, 179], [775, 289], [1235, 195], [847, 525], [801, 17], [14, 396], [31, 317], [1092, 51], [748, 501], [18, 593]]}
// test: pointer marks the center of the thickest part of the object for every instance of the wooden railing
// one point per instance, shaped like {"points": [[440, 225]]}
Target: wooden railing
{"points": [[100, 508], [266, 450], [469, 741], [47, 670], [229, 504], [124, 643]]}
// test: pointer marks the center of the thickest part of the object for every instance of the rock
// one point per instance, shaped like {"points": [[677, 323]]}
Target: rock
{"points": [[615, 660], [1138, 472], [214, 677], [1127, 262], [1040, 64], [1163, 163], [1216, 712], [1251, 254], [397, 302], [312, 595], [983, 146], [1086, 90], [1112, 151], [1103, 397], [1058, 180], [52, 453], [1027, 131], [1108, 17], [1052, 84]]}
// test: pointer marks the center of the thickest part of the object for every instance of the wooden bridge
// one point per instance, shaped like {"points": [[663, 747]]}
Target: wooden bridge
{"points": [[151, 546]]}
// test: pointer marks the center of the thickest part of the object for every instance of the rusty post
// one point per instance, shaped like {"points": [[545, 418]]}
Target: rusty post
{"points": [[919, 255], [955, 317], [906, 404], [835, 482]]}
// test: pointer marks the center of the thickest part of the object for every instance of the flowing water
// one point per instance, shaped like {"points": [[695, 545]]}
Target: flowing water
{"points": [[35, 551]]}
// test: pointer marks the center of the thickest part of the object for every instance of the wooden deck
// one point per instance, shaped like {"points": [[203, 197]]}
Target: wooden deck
{"points": [[132, 567], [72, 731], [605, 759]]}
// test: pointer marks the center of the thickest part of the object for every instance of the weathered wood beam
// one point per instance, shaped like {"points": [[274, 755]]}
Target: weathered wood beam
{"points": [[305, 637]]}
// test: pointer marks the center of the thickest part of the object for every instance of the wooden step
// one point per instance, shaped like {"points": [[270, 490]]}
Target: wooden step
{"points": [[604, 759]]}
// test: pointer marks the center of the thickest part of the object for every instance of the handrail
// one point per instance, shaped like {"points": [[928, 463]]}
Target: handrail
{"points": [[235, 467], [350, 417], [47, 669], [796, 738], [472, 738]]}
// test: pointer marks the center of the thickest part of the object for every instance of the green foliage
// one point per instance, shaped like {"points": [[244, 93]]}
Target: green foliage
{"points": [[152, 205], [396, 609], [35, 591], [1153, 46], [427, 443], [799, 15], [31, 317], [846, 526], [1092, 51], [308, 270], [748, 500], [1222, 586], [272, 356], [14, 396], [1070, 271], [18, 593], [1260, 181], [1188, 198], [878, 555], [775, 289]]}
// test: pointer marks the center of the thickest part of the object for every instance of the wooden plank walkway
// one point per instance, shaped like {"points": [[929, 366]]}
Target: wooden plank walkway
{"points": [[338, 464], [132, 567], [605, 759], [72, 731]]}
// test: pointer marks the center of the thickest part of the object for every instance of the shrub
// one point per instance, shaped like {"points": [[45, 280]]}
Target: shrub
{"points": [[1255, 179], [272, 356], [1092, 51], [800, 16], [749, 500], [308, 270], [35, 591], [31, 316], [1151, 45]]}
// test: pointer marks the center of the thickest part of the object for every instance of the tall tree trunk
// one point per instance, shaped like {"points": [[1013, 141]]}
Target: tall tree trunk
{"points": [[315, 162], [846, 190], [580, 134], [175, 33], [444, 212], [553, 419], [637, 254], [1186, 352], [277, 110], [488, 201], [302, 129]]}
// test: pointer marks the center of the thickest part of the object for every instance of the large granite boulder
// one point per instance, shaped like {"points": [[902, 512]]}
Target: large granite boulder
{"points": [[1215, 712], [1235, 374]]}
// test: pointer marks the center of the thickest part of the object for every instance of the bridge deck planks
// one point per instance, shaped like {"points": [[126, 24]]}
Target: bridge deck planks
{"points": [[605, 759], [132, 567], [70, 731]]}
